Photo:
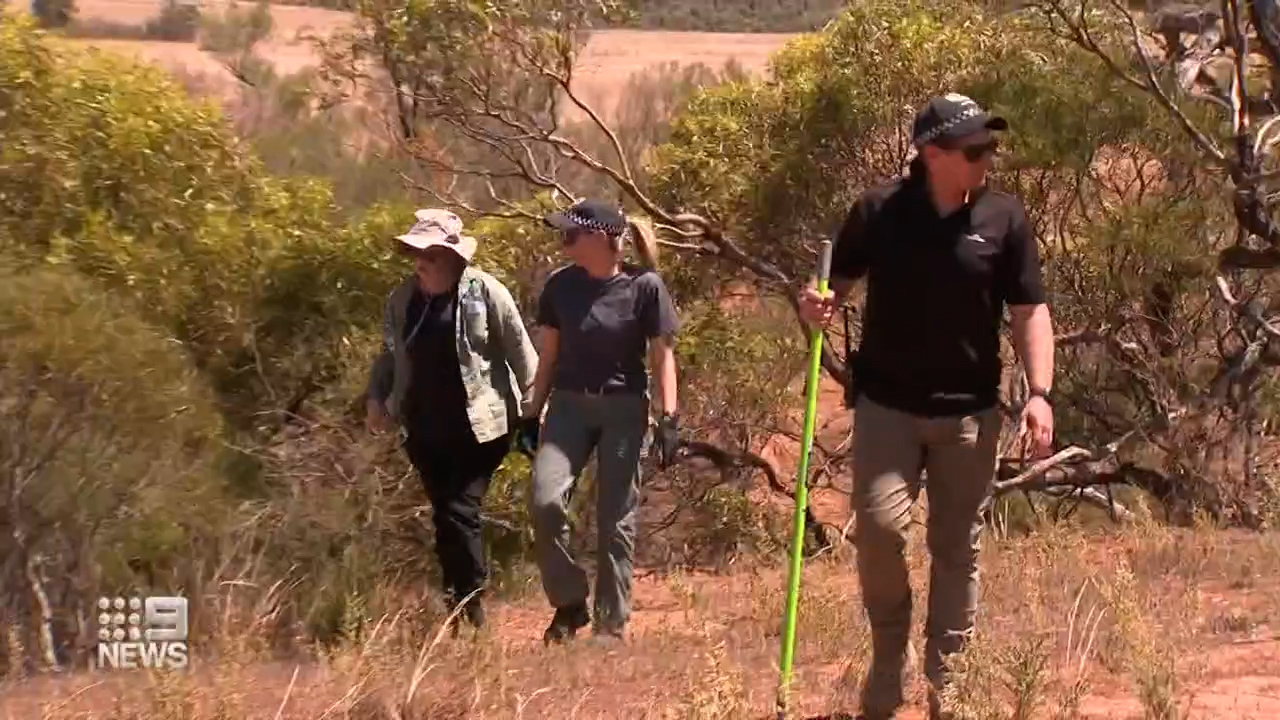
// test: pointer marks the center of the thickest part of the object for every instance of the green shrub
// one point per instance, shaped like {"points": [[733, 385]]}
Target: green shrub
{"points": [[177, 21], [53, 13], [109, 168], [109, 443]]}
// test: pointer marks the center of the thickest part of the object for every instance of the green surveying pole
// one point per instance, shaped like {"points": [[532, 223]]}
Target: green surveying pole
{"points": [[802, 493]]}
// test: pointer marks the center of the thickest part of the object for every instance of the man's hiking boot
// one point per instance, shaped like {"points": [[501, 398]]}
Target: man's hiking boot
{"points": [[566, 623]]}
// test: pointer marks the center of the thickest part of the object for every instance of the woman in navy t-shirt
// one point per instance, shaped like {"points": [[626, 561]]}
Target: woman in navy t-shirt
{"points": [[600, 320]]}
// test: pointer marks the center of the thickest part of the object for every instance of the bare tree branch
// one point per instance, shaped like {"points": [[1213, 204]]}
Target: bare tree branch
{"points": [[726, 460]]}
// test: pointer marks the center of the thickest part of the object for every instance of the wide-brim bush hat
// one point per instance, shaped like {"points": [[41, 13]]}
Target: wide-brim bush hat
{"points": [[435, 227]]}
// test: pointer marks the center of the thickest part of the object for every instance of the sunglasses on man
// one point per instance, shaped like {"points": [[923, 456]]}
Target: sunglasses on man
{"points": [[974, 152]]}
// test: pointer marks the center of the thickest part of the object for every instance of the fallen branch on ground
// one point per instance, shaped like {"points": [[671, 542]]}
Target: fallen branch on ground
{"points": [[729, 460], [1075, 472]]}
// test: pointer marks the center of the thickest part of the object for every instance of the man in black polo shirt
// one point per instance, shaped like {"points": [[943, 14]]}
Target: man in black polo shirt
{"points": [[942, 255]]}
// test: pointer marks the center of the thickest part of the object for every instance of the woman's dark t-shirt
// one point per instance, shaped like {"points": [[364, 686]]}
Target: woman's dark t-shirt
{"points": [[605, 326], [436, 403]]}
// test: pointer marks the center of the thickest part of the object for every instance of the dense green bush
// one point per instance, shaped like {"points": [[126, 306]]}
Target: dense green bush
{"points": [[109, 168], [110, 444], [53, 13], [177, 21]]}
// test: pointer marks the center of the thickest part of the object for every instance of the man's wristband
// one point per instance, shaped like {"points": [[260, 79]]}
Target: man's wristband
{"points": [[1042, 393]]}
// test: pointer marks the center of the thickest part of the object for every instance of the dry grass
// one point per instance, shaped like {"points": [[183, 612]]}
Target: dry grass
{"points": [[1149, 623], [610, 58]]}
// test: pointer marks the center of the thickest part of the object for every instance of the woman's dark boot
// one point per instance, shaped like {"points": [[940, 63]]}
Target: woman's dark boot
{"points": [[566, 623]]}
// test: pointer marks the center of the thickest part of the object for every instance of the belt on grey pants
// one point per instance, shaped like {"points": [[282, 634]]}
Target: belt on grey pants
{"points": [[600, 392]]}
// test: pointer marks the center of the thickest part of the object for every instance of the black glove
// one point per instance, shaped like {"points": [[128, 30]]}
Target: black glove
{"points": [[667, 438], [527, 431]]}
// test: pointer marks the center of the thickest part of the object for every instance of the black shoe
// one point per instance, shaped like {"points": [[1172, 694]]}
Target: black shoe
{"points": [[566, 623], [472, 613]]}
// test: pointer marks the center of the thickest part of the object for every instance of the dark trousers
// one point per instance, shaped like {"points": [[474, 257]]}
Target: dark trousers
{"points": [[456, 476]]}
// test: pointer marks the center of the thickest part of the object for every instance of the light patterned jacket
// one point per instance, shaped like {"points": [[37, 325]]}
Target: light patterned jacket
{"points": [[495, 354]]}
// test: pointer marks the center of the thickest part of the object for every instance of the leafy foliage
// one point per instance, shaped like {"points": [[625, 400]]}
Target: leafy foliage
{"points": [[53, 13], [111, 170], [158, 253], [109, 446]]}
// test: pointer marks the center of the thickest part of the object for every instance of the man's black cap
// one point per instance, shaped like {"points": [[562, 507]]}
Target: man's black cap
{"points": [[951, 116], [589, 215]]}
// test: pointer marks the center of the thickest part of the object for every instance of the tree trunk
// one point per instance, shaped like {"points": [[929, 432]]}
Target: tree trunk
{"points": [[42, 618]]}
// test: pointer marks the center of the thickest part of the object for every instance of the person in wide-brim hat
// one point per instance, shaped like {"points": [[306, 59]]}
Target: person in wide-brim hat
{"points": [[456, 373]]}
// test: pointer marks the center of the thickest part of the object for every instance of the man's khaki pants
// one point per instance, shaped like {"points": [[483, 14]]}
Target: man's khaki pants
{"points": [[958, 455]]}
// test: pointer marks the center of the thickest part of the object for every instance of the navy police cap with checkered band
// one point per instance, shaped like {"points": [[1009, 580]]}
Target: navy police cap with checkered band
{"points": [[952, 116], [590, 215]]}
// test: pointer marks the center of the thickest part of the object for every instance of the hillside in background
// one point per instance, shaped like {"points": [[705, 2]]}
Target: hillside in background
{"points": [[601, 72], [708, 15]]}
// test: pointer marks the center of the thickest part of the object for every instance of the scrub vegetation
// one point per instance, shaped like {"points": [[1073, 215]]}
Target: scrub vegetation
{"points": [[191, 289]]}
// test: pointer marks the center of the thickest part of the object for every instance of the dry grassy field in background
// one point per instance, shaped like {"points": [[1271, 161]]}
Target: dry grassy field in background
{"points": [[610, 58]]}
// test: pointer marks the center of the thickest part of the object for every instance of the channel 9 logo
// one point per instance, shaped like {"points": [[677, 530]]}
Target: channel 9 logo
{"points": [[147, 632]]}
